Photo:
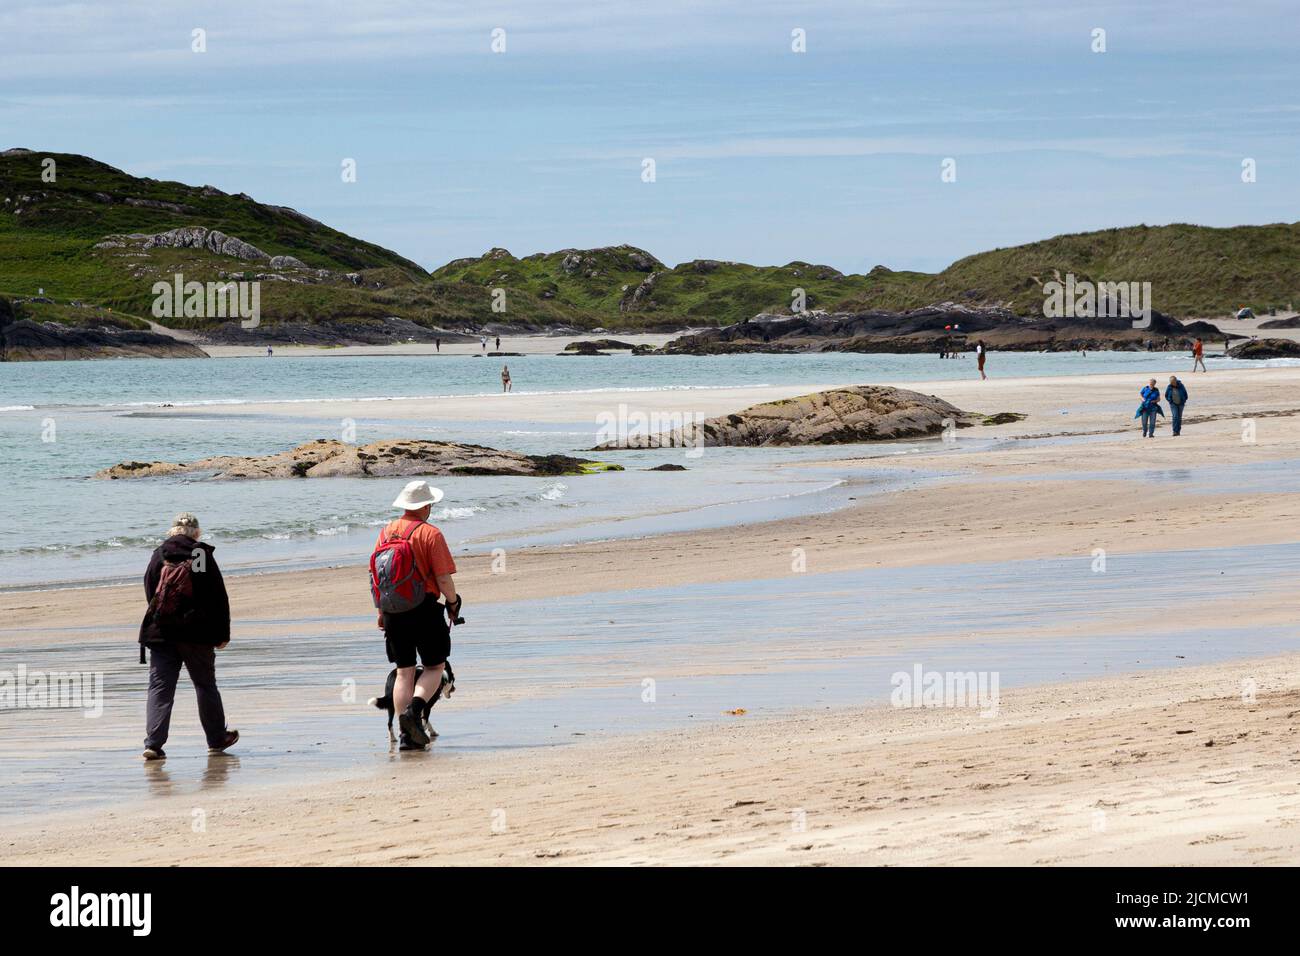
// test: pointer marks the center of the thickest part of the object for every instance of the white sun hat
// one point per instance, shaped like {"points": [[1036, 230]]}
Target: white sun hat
{"points": [[416, 495]]}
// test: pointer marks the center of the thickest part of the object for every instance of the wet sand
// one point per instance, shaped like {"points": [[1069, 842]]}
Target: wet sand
{"points": [[1162, 768], [880, 784]]}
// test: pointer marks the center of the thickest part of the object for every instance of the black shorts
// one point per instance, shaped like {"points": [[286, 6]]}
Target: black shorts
{"points": [[422, 630]]}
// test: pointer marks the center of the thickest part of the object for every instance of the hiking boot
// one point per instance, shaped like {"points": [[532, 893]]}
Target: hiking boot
{"points": [[408, 744], [154, 753], [232, 738], [411, 723]]}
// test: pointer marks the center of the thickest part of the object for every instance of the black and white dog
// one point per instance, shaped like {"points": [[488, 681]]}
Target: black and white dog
{"points": [[446, 689]]}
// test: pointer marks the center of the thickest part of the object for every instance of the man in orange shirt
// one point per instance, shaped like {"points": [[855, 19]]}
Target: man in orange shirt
{"points": [[423, 629], [1198, 353]]}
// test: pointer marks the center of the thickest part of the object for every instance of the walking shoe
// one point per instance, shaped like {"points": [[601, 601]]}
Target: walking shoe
{"points": [[410, 722], [154, 753], [408, 744], [232, 738]]}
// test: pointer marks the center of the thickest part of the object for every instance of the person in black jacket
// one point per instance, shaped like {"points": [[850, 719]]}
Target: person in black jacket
{"points": [[187, 622], [1176, 396]]}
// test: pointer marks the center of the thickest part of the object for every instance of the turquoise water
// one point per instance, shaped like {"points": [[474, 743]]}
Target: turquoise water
{"points": [[184, 382], [57, 526]]}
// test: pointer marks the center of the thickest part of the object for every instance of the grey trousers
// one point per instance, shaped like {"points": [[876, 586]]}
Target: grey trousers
{"points": [[165, 662]]}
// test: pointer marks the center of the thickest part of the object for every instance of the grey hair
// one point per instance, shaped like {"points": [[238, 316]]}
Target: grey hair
{"points": [[185, 523]]}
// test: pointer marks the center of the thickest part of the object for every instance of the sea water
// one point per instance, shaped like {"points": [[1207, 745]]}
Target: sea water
{"points": [[62, 421]]}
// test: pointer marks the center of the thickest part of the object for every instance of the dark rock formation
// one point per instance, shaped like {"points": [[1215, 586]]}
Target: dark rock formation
{"points": [[1265, 349], [388, 331], [28, 341], [595, 345], [945, 327], [582, 348]]}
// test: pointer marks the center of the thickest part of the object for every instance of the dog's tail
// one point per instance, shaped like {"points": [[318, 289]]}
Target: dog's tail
{"points": [[383, 703]]}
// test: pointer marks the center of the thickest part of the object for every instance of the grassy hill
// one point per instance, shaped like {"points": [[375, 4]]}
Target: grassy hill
{"points": [[53, 237], [74, 238], [628, 286], [1194, 271]]}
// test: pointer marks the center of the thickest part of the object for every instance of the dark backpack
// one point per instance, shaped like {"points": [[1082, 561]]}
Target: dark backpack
{"points": [[173, 599], [175, 594]]}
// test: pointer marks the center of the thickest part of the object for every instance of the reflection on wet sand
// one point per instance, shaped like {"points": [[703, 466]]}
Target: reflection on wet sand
{"points": [[546, 672]]}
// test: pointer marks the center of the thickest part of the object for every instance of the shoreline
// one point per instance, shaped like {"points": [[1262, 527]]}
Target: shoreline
{"points": [[877, 784]]}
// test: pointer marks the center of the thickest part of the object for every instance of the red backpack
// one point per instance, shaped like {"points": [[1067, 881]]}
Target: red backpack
{"points": [[396, 585], [175, 590]]}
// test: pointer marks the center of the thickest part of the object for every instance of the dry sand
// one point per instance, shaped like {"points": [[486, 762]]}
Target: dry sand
{"points": [[1094, 772]]}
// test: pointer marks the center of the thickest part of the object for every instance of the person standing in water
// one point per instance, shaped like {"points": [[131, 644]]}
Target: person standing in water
{"points": [[505, 378], [980, 352], [422, 631]]}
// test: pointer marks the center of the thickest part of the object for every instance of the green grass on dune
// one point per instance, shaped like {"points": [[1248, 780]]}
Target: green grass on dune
{"points": [[48, 232], [82, 316], [1193, 270], [700, 292]]}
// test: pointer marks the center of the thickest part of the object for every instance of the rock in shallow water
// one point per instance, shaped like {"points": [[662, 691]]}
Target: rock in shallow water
{"points": [[860, 413], [1265, 349], [325, 458]]}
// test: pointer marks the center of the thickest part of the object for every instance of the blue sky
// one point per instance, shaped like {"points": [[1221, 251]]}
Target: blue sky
{"points": [[762, 155]]}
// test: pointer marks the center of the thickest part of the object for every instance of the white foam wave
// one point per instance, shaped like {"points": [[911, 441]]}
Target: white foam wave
{"points": [[455, 513]]}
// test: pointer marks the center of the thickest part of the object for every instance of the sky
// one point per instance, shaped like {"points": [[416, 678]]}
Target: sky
{"points": [[761, 154]]}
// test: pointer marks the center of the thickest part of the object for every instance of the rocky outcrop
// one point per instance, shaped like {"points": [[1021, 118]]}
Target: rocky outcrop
{"points": [[326, 458], [388, 331], [581, 348], [1292, 322], [200, 237], [861, 413], [1265, 349], [28, 341], [635, 298], [943, 327], [595, 345]]}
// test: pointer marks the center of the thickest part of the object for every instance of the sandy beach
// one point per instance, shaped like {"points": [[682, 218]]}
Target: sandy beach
{"points": [[1147, 762], [1173, 768], [519, 344]]}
